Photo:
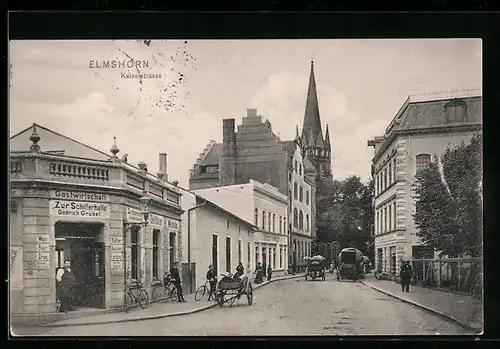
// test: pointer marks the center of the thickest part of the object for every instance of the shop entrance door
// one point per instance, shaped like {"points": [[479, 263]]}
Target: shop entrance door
{"points": [[79, 243]]}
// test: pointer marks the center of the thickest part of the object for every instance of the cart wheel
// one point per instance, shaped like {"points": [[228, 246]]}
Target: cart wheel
{"points": [[220, 298], [127, 302], [200, 292], [250, 294], [143, 299]]}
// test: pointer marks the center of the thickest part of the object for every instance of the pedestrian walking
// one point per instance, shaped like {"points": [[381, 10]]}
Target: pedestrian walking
{"points": [[212, 279], [405, 274], [259, 274], [66, 283], [174, 272], [269, 272]]}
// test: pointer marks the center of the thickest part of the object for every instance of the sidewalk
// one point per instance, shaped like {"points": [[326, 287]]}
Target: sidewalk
{"points": [[463, 309], [156, 310]]}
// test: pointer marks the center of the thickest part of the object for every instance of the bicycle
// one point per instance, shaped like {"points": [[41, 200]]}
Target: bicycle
{"points": [[202, 290], [164, 292], [130, 299]]}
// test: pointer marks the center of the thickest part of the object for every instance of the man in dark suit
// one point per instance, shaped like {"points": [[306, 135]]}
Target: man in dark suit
{"points": [[66, 282], [174, 272]]}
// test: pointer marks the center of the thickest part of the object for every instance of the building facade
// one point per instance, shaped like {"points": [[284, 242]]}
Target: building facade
{"points": [[212, 236], [301, 204], [267, 208], [70, 201], [424, 126]]}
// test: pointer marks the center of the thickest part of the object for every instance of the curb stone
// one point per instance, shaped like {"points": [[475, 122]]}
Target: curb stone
{"points": [[437, 312], [152, 317]]}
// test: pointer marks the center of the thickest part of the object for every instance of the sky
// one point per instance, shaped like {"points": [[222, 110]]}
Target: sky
{"points": [[361, 85]]}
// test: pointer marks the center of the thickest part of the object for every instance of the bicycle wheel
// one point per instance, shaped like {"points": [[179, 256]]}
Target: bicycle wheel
{"points": [[200, 292], [143, 299], [158, 293], [172, 294], [128, 302]]}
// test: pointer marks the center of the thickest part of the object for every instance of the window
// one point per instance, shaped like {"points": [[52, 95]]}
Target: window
{"points": [[390, 217], [239, 251], [300, 170], [301, 220], [263, 220], [394, 175], [290, 176], [385, 219], [134, 249], [156, 243], [289, 198], [256, 221], [422, 161], [256, 256], [284, 226], [274, 223], [227, 224], [307, 197], [281, 226], [269, 221], [295, 191], [301, 194], [395, 216], [377, 187], [296, 166], [456, 111], [377, 223], [390, 173], [307, 222], [295, 218], [281, 257], [249, 252], [385, 178], [172, 248], [228, 254], [215, 250]]}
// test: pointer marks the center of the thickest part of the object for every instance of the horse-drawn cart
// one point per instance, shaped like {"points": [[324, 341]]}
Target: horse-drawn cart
{"points": [[229, 290]]}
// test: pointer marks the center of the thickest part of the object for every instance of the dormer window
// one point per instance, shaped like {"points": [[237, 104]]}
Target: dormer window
{"points": [[455, 111]]}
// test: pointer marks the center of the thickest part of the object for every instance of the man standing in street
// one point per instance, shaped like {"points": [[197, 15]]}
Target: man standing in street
{"points": [[211, 277], [405, 274], [66, 281], [174, 272]]}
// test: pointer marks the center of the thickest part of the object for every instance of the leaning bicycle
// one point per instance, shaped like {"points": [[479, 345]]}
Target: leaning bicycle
{"points": [[131, 300], [164, 292], [204, 290]]}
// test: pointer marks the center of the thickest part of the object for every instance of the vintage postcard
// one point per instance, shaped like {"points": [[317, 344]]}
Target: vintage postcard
{"points": [[245, 187]]}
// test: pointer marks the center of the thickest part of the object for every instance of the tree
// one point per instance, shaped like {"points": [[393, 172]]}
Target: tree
{"points": [[345, 212], [449, 205]]}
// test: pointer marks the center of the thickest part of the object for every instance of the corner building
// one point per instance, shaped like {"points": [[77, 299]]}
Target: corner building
{"points": [[424, 126], [71, 201]]}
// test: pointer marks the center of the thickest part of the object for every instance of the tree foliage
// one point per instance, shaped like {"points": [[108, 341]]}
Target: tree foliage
{"points": [[449, 203], [344, 208]]}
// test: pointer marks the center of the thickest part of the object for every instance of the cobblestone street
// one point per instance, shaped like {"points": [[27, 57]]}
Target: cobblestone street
{"points": [[291, 307]]}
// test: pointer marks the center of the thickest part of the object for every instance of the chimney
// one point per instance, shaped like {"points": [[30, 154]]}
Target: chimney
{"points": [[163, 166], [252, 112], [228, 128]]}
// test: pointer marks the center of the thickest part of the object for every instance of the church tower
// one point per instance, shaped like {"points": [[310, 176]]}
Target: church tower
{"points": [[314, 146]]}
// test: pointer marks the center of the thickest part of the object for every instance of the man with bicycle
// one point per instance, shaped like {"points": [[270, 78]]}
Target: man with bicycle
{"points": [[174, 272], [212, 279]]}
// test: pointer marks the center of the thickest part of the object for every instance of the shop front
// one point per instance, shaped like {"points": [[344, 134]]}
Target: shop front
{"points": [[271, 250], [89, 213]]}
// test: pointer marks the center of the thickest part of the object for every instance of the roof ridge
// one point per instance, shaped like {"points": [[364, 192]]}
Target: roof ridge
{"points": [[61, 135]]}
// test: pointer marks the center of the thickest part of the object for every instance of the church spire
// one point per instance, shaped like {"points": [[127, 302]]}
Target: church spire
{"points": [[312, 120], [327, 138]]}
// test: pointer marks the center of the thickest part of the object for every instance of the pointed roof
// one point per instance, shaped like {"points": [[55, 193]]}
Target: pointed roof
{"points": [[312, 119], [51, 141], [327, 137]]}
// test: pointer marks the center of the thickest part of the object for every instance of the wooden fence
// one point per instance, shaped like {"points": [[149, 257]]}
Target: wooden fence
{"points": [[464, 275]]}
